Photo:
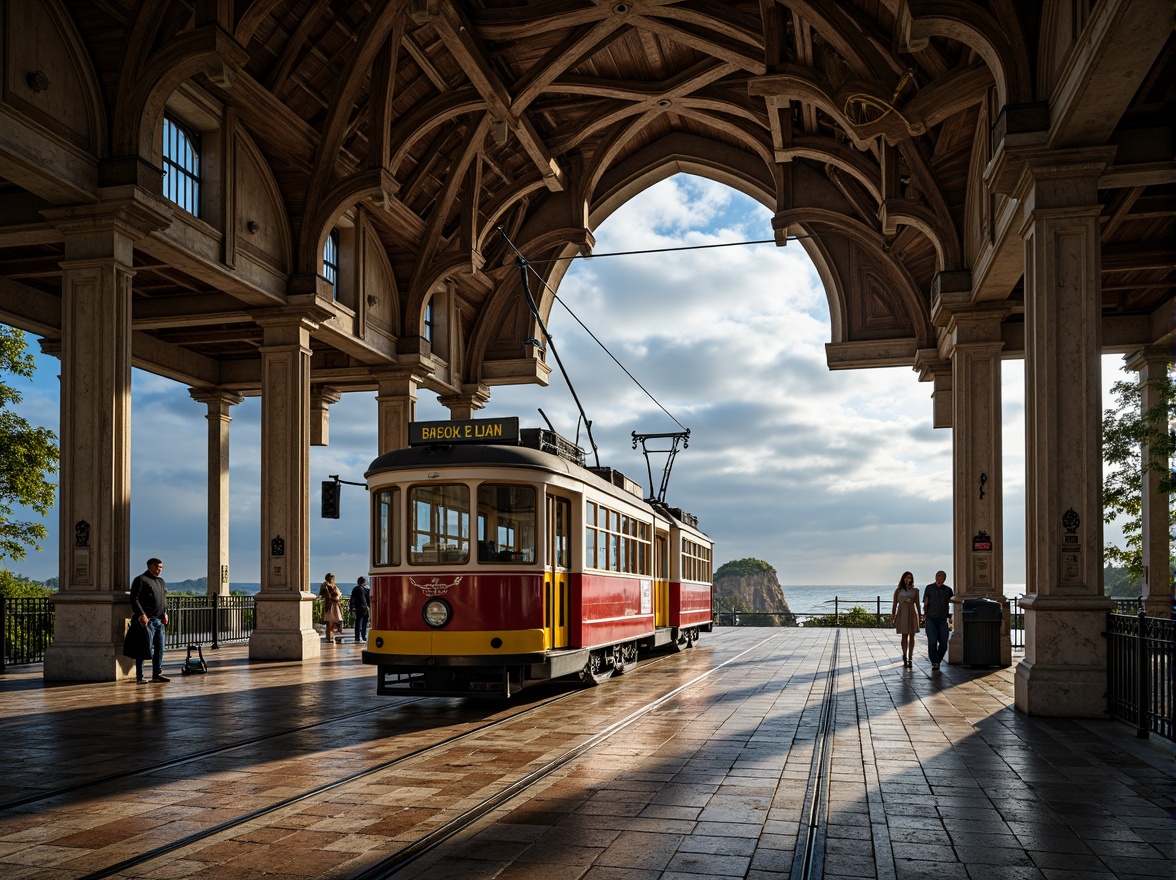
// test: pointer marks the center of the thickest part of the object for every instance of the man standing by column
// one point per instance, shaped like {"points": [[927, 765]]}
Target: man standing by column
{"points": [[936, 608], [149, 602], [360, 608]]}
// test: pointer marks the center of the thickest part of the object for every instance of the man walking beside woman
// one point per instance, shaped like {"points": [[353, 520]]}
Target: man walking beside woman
{"points": [[936, 606]]}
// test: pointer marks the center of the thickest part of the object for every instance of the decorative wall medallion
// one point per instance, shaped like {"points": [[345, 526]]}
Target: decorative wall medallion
{"points": [[278, 546], [1071, 521], [82, 534], [435, 587]]}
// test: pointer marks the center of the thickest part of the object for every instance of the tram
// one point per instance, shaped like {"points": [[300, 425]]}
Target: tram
{"points": [[499, 559]]}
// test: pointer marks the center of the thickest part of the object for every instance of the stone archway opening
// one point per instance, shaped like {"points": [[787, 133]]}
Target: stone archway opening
{"points": [[834, 477]]}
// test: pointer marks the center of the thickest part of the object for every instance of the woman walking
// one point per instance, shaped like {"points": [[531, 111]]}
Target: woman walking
{"points": [[905, 614], [332, 608]]}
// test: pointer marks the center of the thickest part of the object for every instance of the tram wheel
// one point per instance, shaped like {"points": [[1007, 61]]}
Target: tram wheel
{"points": [[683, 641], [597, 670], [626, 658]]}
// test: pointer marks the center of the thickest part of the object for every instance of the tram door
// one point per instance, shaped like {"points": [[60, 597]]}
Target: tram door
{"points": [[661, 580], [556, 578]]}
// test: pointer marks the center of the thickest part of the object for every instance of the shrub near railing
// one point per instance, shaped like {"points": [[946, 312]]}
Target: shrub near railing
{"points": [[857, 616]]}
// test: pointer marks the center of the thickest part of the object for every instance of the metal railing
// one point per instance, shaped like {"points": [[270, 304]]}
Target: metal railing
{"points": [[208, 620], [26, 629], [26, 625], [841, 614], [1139, 672]]}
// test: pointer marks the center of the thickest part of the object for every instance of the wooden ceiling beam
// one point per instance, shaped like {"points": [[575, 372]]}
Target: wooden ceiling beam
{"points": [[457, 34], [583, 42]]}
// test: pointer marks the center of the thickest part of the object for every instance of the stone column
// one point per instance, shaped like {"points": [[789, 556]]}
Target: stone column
{"points": [[285, 629], [218, 402], [1152, 365], [91, 607], [471, 399], [1064, 670], [396, 403], [974, 344]]}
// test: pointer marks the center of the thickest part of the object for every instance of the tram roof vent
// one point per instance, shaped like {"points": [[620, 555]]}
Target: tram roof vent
{"points": [[612, 475], [553, 443], [682, 516]]}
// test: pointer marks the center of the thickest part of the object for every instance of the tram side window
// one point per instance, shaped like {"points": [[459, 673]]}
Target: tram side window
{"points": [[384, 548], [696, 561], [506, 523], [563, 532], [616, 542], [590, 535], [439, 527]]}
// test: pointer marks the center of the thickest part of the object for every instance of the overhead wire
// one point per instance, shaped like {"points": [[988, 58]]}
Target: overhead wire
{"points": [[603, 347], [529, 265], [665, 250]]}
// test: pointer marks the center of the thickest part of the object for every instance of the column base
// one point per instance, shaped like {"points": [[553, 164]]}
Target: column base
{"points": [[88, 634], [1060, 691], [284, 628], [1159, 606], [1064, 673]]}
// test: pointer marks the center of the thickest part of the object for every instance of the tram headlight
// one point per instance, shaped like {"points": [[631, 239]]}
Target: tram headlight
{"points": [[436, 612]]}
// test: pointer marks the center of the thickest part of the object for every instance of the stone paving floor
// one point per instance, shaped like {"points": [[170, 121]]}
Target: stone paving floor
{"points": [[932, 774]]}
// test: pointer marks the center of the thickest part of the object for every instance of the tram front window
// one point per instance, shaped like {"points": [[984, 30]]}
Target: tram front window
{"points": [[506, 523], [439, 524]]}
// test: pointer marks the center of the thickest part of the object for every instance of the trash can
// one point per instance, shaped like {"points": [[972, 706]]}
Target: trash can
{"points": [[982, 623]]}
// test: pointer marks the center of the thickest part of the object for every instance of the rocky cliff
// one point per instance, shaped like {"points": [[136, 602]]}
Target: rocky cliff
{"points": [[749, 592]]}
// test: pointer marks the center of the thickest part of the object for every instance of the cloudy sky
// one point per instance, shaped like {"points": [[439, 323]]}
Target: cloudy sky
{"points": [[832, 477]]}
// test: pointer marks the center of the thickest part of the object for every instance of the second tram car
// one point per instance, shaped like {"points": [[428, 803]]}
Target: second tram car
{"points": [[499, 559]]}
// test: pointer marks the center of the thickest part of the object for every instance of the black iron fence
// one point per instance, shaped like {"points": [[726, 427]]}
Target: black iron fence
{"points": [[208, 620], [26, 629], [26, 625], [1139, 672]]}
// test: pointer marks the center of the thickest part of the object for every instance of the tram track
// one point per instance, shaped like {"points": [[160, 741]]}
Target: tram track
{"points": [[364, 774], [402, 858], [809, 860]]}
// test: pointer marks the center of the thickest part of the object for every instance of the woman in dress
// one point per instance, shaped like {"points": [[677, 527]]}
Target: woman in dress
{"points": [[332, 607], [905, 614]]}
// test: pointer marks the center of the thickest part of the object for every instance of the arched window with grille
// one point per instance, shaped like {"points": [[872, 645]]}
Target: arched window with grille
{"points": [[181, 164], [331, 261]]}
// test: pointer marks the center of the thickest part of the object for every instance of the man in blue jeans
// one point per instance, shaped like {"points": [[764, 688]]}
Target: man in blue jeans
{"points": [[149, 604], [936, 608], [361, 606]]}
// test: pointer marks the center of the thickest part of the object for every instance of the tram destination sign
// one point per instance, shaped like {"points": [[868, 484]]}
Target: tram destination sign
{"points": [[464, 431]]}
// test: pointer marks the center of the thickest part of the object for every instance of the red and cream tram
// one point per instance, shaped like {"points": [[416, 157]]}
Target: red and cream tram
{"points": [[499, 559]]}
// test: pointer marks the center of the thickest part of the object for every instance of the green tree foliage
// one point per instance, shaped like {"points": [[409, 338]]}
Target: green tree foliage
{"points": [[743, 567], [1125, 429], [28, 455], [1117, 582], [15, 586]]}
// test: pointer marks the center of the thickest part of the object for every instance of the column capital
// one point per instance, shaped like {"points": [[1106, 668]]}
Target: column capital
{"points": [[88, 229], [215, 398], [929, 364], [392, 380], [469, 400], [1061, 183], [324, 395], [1148, 360]]}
